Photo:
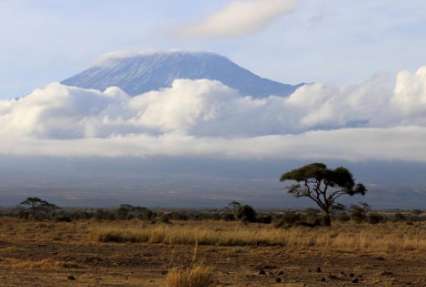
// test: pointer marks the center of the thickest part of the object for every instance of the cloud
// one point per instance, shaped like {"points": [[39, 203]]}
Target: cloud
{"points": [[410, 94], [240, 17], [381, 118], [358, 144]]}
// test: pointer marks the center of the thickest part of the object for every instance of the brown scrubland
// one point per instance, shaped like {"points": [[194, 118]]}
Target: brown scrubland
{"points": [[208, 251]]}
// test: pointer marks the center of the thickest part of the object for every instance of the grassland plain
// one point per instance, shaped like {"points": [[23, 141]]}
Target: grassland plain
{"points": [[137, 253]]}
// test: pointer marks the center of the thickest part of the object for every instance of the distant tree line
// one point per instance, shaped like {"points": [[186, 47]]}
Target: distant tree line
{"points": [[34, 208]]}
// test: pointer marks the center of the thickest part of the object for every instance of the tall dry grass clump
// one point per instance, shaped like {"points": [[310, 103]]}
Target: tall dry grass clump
{"points": [[384, 238], [196, 276], [193, 235]]}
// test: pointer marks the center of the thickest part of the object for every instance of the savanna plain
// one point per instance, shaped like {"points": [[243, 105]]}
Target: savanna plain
{"points": [[175, 251]]}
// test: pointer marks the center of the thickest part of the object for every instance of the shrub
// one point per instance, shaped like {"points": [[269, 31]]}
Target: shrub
{"points": [[143, 213], [312, 217], [124, 212], [227, 216], [359, 213], [246, 213], [265, 219], [198, 276], [399, 217], [375, 218], [343, 217], [289, 219], [164, 218], [416, 212], [127, 211], [63, 216], [180, 216], [103, 214]]}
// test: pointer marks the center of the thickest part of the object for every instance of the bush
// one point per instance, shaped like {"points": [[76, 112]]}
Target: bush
{"points": [[180, 216], [358, 213], [375, 218], [343, 217], [144, 213], [312, 217], [246, 213], [164, 218], [416, 212], [103, 214], [264, 219], [127, 212], [399, 217], [289, 219], [227, 216], [63, 216]]}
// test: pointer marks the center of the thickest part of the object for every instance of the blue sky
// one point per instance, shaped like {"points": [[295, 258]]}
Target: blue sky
{"points": [[331, 41]]}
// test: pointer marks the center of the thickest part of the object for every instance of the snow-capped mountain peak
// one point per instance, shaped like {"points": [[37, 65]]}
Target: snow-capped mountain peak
{"points": [[137, 73]]}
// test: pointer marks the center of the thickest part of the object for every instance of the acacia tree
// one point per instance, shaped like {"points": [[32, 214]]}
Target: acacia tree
{"points": [[323, 185], [37, 207]]}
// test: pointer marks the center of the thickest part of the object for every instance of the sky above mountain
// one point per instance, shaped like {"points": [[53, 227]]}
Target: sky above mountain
{"points": [[330, 41], [364, 103]]}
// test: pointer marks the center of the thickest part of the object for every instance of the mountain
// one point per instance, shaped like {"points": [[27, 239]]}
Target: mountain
{"points": [[140, 73]]}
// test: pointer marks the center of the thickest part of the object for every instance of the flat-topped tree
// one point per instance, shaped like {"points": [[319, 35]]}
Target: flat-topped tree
{"points": [[37, 207], [323, 185]]}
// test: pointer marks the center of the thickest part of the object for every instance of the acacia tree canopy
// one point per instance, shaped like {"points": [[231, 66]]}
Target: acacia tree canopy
{"points": [[323, 185], [37, 207]]}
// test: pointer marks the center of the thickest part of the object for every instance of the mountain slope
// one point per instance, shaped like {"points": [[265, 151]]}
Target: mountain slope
{"points": [[141, 73]]}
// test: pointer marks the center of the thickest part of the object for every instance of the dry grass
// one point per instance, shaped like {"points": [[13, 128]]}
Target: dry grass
{"points": [[390, 254], [197, 276], [387, 237], [44, 264]]}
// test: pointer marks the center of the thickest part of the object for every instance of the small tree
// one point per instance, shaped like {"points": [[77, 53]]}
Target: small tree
{"points": [[37, 208], [322, 185], [245, 213]]}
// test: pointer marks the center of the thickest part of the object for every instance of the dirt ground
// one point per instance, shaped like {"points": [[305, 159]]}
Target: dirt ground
{"points": [[63, 254]]}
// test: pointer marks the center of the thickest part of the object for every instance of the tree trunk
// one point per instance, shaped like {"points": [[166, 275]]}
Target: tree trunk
{"points": [[327, 219]]}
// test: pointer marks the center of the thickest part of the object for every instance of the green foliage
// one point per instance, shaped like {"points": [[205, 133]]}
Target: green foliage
{"points": [[289, 219], [36, 208], [63, 216], [400, 217], [226, 216], [307, 219], [265, 219], [244, 213], [375, 218], [164, 218], [343, 217], [127, 211], [104, 214]]}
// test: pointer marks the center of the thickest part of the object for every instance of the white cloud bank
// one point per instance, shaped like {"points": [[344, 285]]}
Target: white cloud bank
{"points": [[240, 17], [380, 119]]}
